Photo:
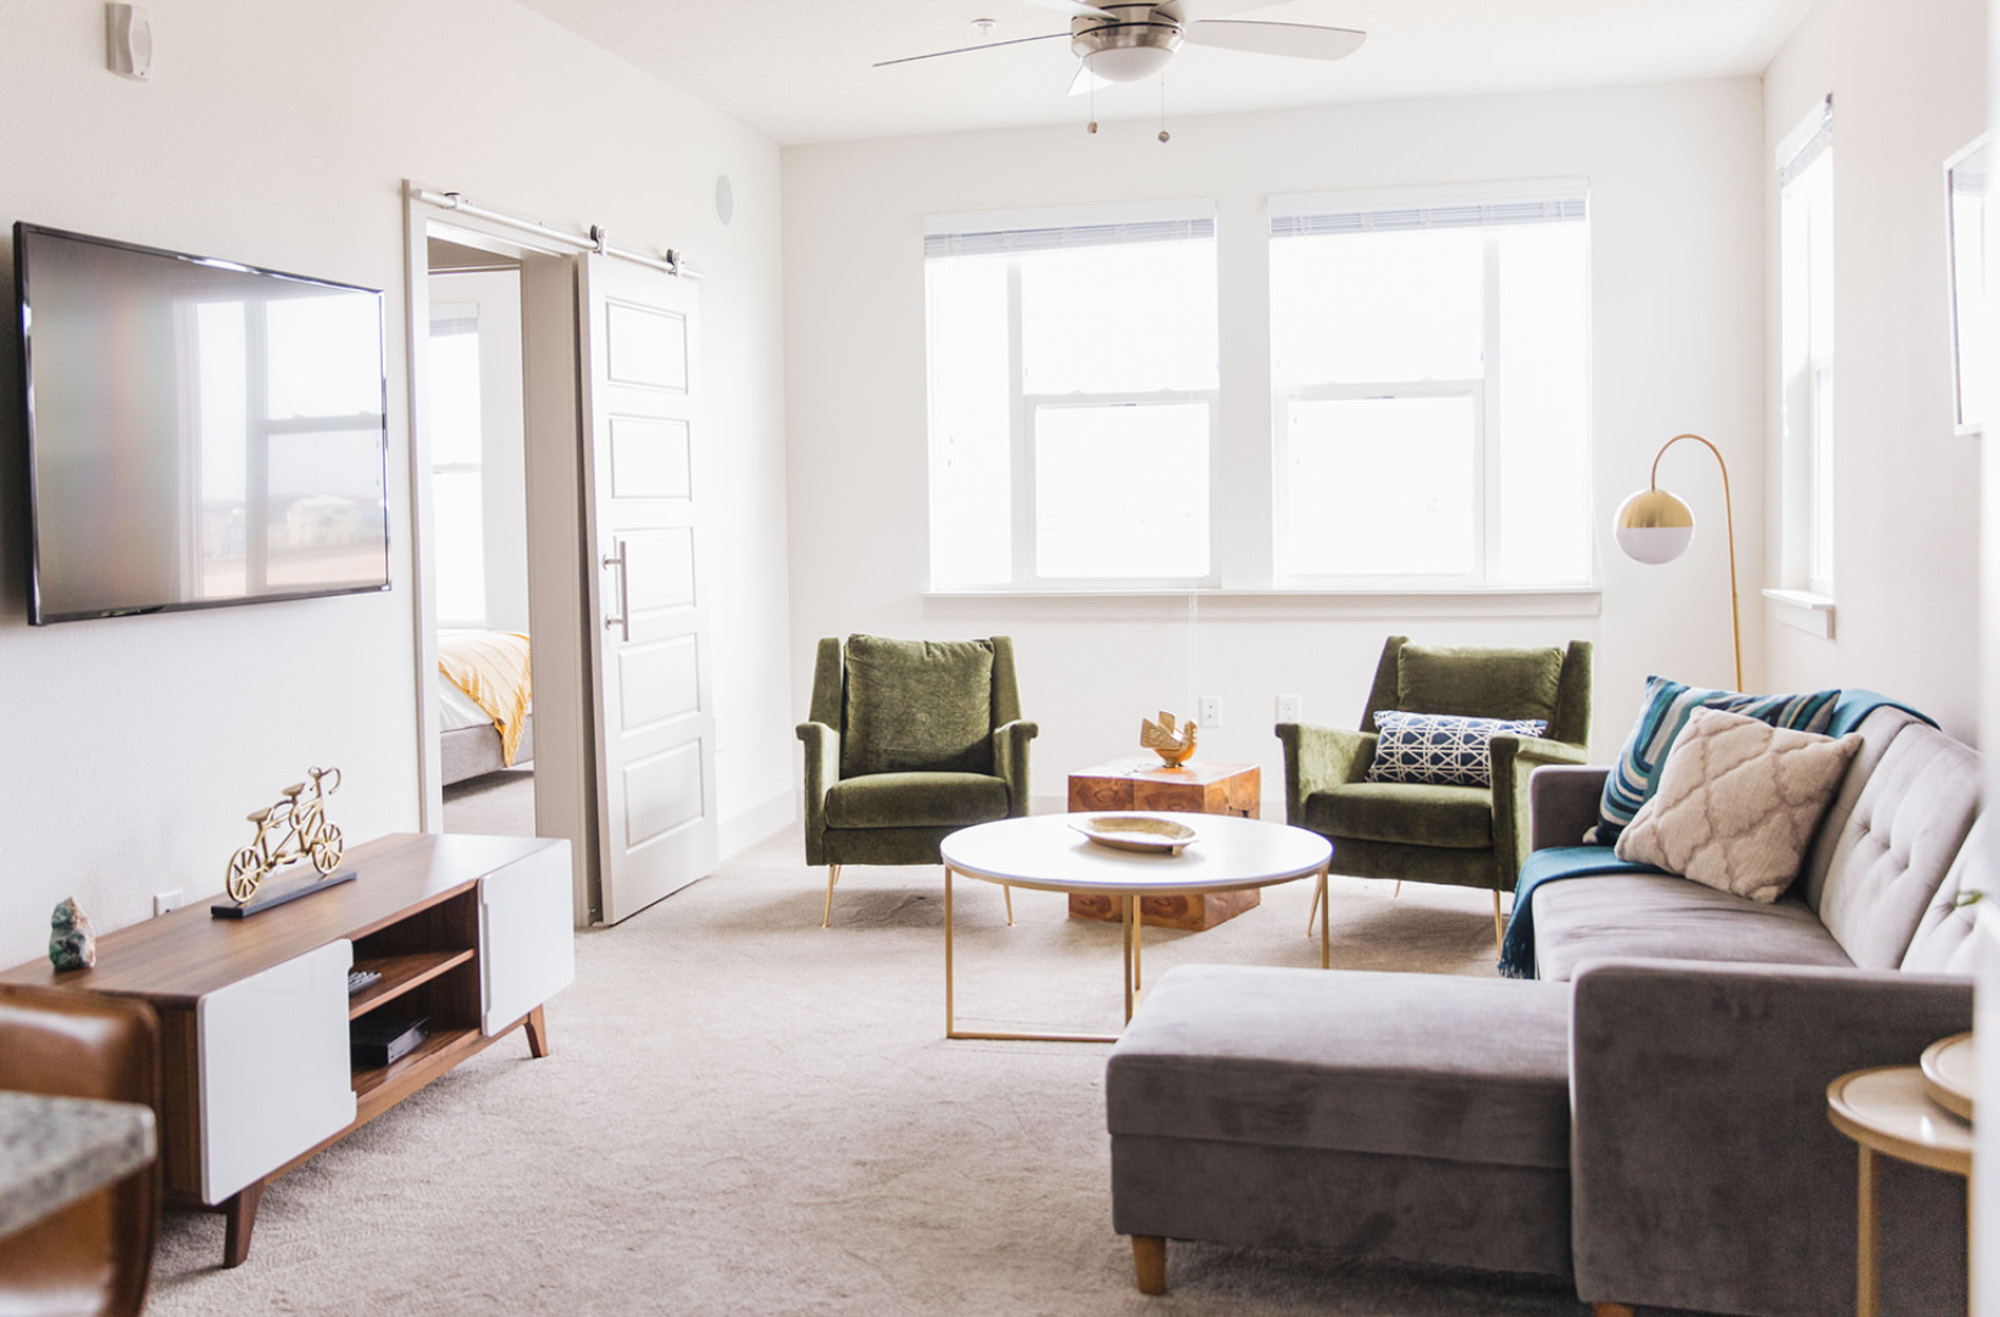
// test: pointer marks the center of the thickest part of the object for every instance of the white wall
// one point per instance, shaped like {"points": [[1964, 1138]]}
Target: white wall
{"points": [[1909, 88], [279, 135], [1678, 310]]}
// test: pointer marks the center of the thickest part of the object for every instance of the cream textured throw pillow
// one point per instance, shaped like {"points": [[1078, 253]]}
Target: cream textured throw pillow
{"points": [[1737, 803]]}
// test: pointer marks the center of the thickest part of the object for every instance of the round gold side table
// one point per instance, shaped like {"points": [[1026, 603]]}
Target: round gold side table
{"points": [[1888, 1110]]}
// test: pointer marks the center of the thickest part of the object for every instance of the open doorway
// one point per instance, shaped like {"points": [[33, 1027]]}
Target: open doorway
{"points": [[595, 498], [477, 540]]}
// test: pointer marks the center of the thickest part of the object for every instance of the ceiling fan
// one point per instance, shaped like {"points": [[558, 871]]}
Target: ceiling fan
{"points": [[1129, 40]]}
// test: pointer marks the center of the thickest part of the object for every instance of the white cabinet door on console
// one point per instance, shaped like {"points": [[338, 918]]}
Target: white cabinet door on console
{"points": [[527, 946], [275, 1078]]}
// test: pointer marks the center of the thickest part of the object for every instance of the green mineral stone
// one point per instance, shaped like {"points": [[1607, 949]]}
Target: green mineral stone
{"points": [[72, 939]]}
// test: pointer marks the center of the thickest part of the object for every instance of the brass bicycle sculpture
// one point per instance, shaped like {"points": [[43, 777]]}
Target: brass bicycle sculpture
{"points": [[292, 829]]}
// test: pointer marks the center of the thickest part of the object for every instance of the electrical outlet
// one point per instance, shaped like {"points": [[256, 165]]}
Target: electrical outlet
{"points": [[1211, 711], [1290, 709], [165, 901]]}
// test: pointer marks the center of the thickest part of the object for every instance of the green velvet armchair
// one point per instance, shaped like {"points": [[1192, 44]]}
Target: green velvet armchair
{"points": [[909, 741], [1466, 836]]}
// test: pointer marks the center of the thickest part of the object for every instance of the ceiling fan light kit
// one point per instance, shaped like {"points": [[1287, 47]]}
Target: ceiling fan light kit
{"points": [[1121, 48]]}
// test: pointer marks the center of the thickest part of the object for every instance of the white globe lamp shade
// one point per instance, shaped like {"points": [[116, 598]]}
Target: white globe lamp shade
{"points": [[1653, 526], [1128, 63]]}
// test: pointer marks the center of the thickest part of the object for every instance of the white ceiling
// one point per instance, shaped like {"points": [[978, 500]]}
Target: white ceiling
{"points": [[799, 70]]}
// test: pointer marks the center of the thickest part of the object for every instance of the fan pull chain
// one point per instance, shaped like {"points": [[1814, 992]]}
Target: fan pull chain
{"points": [[1093, 96], [1163, 105]]}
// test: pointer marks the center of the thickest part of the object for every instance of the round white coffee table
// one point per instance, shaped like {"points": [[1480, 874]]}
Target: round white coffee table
{"points": [[1044, 852]]}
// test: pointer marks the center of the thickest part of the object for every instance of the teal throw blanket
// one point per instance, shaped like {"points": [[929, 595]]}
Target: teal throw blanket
{"points": [[1554, 863]]}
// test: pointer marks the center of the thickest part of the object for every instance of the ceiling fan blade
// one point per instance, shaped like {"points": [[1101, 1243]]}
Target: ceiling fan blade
{"points": [[991, 45], [1299, 40], [1077, 9], [1086, 80], [1196, 10]]}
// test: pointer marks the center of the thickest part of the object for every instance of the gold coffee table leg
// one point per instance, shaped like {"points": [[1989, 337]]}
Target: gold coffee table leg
{"points": [[1325, 924], [1125, 906], [1867, 1290], [1138, 937], [950, 1028]]}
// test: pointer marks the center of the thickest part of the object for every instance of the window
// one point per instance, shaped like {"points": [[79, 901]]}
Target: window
{"points": [[457, 450], [1805, 291], [1430, 369], [1072, 363]]}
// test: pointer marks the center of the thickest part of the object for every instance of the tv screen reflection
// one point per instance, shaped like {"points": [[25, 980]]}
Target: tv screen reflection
{"points": [[202, 433]]}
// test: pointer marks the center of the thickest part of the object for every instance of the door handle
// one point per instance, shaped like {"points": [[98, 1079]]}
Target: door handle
{"points": [[623, 621]]}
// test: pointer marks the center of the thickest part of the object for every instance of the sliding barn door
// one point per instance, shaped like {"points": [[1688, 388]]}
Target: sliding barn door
{"points": [[656, 730]]}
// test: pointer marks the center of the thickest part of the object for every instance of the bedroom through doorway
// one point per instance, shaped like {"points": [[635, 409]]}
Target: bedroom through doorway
{"points": [[478, 532]]}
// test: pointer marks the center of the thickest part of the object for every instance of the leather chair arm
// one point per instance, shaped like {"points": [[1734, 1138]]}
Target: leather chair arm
{"points": [[1010, 761], [1317, 758]]}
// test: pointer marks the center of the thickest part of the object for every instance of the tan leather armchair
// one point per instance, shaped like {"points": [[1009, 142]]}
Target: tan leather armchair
{"points": [[96, 1255]]}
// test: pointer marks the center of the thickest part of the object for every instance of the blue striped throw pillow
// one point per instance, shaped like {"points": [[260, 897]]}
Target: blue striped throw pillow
{"points": [[1635, 775]]}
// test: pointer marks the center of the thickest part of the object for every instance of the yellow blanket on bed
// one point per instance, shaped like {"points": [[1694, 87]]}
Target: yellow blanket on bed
{"points": [[492, 668]]}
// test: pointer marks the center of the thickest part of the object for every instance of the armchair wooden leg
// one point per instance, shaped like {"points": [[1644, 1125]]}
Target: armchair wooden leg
{"points": [[1149, 1259], [832, 877], [1010, 903], [1499, 924], [1611, 1310]]}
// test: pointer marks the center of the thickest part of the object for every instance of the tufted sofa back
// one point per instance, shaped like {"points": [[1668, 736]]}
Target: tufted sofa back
{"points": [[1894, 835], [1944, 943]]}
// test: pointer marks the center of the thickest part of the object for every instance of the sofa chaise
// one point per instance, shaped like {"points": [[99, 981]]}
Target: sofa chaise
{"points": [[1646, 1118]]}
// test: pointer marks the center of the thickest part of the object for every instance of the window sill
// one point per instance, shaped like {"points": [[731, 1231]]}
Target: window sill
{"points": [[1571, 601], [1809, 612]]}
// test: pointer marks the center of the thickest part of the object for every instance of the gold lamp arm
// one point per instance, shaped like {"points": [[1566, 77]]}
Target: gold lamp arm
{"points": [[1729, 520]]}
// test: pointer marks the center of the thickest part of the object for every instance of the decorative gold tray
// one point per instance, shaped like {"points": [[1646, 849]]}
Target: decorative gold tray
{"points": [[1136, 832], [1949, 1074]]}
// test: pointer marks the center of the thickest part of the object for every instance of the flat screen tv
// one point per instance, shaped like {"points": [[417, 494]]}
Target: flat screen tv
{"points": [[200, 433]]}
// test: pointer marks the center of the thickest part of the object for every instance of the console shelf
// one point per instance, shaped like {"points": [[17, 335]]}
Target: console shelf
{"points": [[441, 1050], [399, 975], [470, 934]]}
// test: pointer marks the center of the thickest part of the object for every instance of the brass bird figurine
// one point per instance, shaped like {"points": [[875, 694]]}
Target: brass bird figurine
{"points": [[1162, 738]]}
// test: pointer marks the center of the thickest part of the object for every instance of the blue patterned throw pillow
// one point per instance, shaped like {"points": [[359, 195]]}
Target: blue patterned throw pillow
{"points": [[1440, 749], [1635, 775]]}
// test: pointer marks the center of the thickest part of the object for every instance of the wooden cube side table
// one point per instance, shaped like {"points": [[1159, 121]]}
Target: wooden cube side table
{"points": [[1143, 782]]}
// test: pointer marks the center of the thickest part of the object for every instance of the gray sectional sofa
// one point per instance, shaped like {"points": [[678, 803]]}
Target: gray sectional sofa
{"points": [[1645, 1119]]}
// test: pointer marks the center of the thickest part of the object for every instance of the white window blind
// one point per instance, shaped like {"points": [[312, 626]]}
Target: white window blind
{"points": [[996, 241], [1331, 213], [1805, 143]]}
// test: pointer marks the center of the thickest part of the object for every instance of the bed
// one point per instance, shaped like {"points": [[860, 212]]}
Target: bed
{"points": [[485, 703]]}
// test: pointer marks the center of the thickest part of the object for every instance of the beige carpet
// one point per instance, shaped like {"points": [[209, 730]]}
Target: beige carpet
{"points": [[499, 804], [747, 1114]]}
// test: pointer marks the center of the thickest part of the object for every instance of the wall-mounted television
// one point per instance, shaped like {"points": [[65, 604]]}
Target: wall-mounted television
{"points": [[200, 433]]}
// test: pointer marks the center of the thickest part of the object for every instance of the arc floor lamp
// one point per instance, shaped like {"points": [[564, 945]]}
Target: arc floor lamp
{"points": [[1655, 526]]}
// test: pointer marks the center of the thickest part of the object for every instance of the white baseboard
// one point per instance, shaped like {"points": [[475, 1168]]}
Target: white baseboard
{"points": [[741, 831]]}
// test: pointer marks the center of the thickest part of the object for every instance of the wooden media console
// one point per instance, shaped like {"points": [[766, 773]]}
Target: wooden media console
{"points": [[472, 933]]}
